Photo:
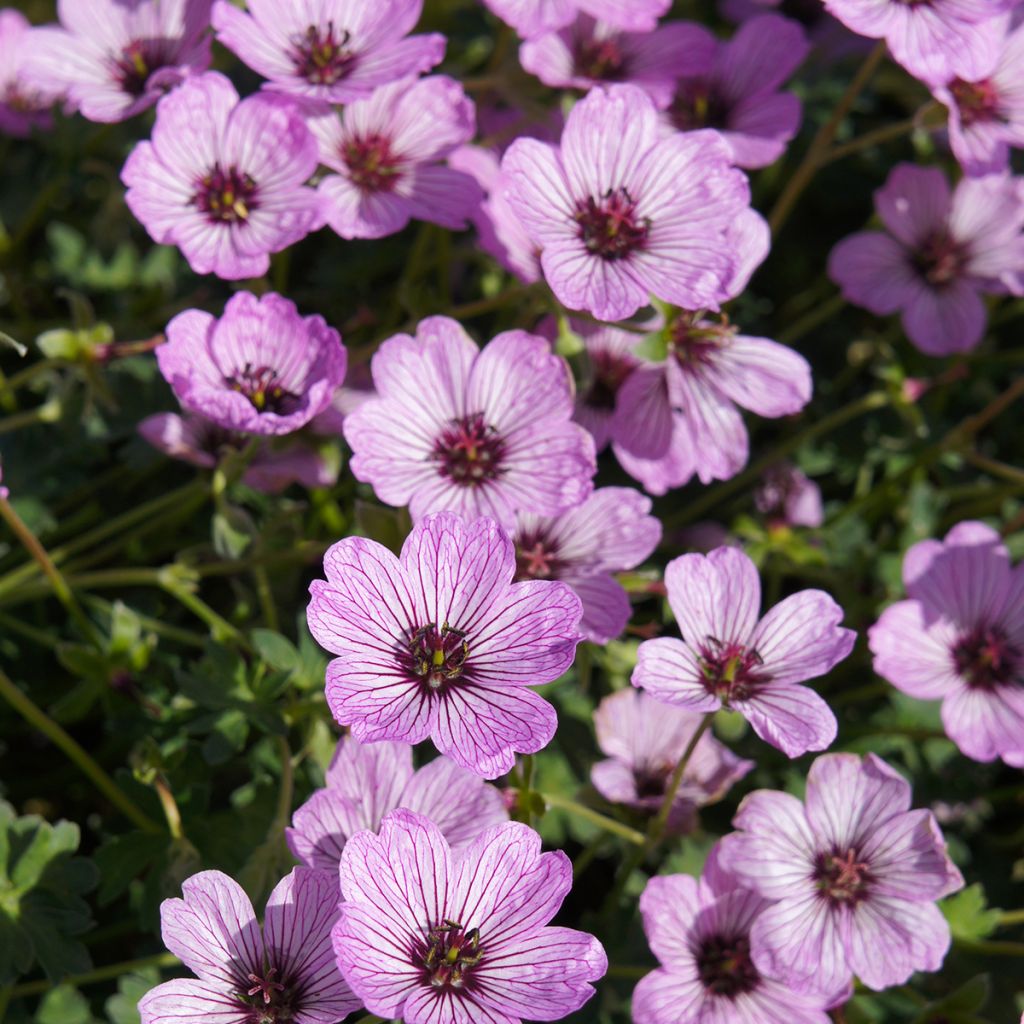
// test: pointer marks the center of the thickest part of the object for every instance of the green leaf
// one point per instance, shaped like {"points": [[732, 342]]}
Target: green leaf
{"points": [[123, 1008], [64, 1005], [968, 914], [123, 858], [963, 1003], [276, 650]]}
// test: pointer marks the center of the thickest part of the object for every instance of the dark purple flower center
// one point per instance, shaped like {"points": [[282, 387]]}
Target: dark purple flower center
{"points": [[694, 343], [449, 955], [321, 56], [609, 373], [138, 60], [263, 389], [537, 557], [731, 671], [610, 227], [725, 967], [842, 878], [939, 259], [469, 451], [268, 1000], [226, 196], [436, 657], [650, 779], [23, 101], [371, 163], [600, 59], [698, 104], [977, 102], [985, 659], [777, 487]]}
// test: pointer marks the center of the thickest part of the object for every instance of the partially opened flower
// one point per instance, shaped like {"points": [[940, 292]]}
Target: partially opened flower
{"points": [[620, 212], [115, 58], [330, 51], [738, 93], [959, 638], [700, 931], [940, 250], [495, 437], [436, 937], [986, 116], [787, 496], [729, 657], [644, 741], [586, 53], [366, 782], [261, 368], [853, 874], [284, 972], [442, 643], [388, 152], [935, 41], [224, 180], [535, 17], [24, 107]]}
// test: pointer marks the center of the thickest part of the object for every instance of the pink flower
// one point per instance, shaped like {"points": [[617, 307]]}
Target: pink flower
{"points": [[940, 250], [610, 532], [700, 931], [853, 873], [442, 643], [331, 51], [202, 443], [787, 496], [934, 41], [436, 937], [4, 492], [586, 53], [478, 432], [986, 116], [535, 17], [680, 417], [959, 638], [115, 58], [620, 212], [285, 972], [388, 151], [738, 92], [222, 179], [728, 657], [366, 782], [260, 369], [644, 740], [24, 107]]}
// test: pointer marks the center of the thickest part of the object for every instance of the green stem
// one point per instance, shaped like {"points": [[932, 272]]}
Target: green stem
{"points": [[266, 596], [35, 988], [994, 468], [628, 971], [819, 146], [657, 827], [601, 821], [37, 636], [990, 947], [48, 412], [817, 315], [472, 309], [220, 628], [885, 133], [1009, 918], [38, 718], [170, 807]]}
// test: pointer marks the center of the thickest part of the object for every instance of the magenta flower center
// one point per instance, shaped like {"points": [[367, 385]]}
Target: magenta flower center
{"points": [[321, 56], [437, 657], [697, 104], [262, 388], [731, 671], [609, 374], [976, 101], [138, 60], [469, 451], [610, 227], [371, 163], [267, 1000], [842, 878], [537, 557], [939, 259], [449, 955], [694, 343], [725, 967], [600, 59], [985, 659], [226, 197], [650, 779]]}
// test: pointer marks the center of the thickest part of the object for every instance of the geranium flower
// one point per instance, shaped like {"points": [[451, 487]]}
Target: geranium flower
{"points": [[959, 638], [939, 250], [495, 437], [366, 782], [388, 151], [114, 58], [436, 937], [620, 212], [612, 531], [331, 51], [729, 657], [224, 180], [644, 740], [853, 874], [259, 369], [442, 643], [787, 496], [535, 17], [24, 107], [284, 973], [700, 931]]}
